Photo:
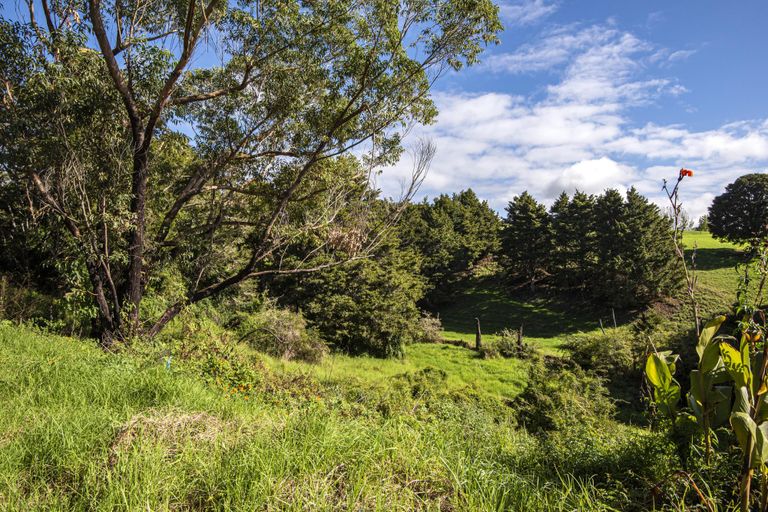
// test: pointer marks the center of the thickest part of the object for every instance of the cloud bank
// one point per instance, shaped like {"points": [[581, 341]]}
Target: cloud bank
{"points": [[578, 133]]}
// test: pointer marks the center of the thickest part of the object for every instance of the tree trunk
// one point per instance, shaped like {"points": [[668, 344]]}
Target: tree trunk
{"points": [[136, 246]]}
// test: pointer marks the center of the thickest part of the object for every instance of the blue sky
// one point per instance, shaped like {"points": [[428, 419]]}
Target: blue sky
{"points": [[600, 94], [595, 94]]}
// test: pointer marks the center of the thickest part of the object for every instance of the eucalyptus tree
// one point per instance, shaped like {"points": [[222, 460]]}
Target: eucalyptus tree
{"points": [[203, 138]]}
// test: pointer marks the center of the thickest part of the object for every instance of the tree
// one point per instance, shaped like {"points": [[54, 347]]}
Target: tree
{"points": [[366, 306], [703, 224], [525, 240], [651, 269], [147, 158], [613, 252], [740, 214], [574, 241], [452, 234]]}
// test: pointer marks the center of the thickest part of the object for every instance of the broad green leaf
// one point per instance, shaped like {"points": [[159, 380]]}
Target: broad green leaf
{"points": [[698, 388], [710, 357], [657, 372], [760, 455], [698, 412], [745, 359], [667, 399], [721, 406], [707, 333], [741, 402], [744, 427], [732, 360]]}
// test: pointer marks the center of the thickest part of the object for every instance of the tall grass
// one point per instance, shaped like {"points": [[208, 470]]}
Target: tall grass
{"points": [[84, 430]]}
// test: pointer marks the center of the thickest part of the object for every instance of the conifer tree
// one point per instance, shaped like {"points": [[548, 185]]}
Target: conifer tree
{"points": [[613, 253], [526, 239], [577, 237], [558, 232], [651, 270]]}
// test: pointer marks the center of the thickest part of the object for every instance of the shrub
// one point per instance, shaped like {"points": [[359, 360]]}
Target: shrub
{"points": [[281, 333], [613, 354], [510, 344], [430, 329], [560, 395]]}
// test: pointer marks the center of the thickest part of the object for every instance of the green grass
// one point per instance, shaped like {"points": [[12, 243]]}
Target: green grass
{"points": [[548, 323], [715, 265], [499, 378], [85, 430]]}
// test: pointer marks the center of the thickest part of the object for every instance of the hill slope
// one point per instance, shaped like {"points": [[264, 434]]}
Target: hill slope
{"points": [[80, 429]]}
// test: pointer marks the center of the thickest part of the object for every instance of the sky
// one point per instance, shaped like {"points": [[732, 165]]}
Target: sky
{"points": [[595, 94], [604, 94]]}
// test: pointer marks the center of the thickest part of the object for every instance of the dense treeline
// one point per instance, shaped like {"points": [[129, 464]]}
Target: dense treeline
{"points": [[452, 234], [608, 249]]}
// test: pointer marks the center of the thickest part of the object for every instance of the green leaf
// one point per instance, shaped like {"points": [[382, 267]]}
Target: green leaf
{"points": [[698, 412], [698, 388], [667, 399], [745, 359], [657, 371], [760, 455], [710, 357], [741, 402], [707, 333], [733, 362], [744, 427], [721, 407]]}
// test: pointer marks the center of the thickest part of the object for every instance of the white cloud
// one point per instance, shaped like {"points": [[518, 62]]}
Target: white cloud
{"points": [[579, 135], [555, 48], [526, 12], [590, 176]]}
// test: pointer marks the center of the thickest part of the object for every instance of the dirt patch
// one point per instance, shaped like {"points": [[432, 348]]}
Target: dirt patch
{"points": [[170, 428]]}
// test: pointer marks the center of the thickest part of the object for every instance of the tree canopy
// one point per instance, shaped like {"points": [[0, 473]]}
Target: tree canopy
{"points": [[740, 214], [208, 139], [610, 249]]}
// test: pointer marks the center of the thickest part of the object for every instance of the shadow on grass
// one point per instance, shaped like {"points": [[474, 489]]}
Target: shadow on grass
{"points": [[713, 259], [541, 318]]}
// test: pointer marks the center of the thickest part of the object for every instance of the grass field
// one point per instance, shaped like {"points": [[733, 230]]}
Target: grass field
{"points": [[85, 430], [500, 378], [715, 264]]}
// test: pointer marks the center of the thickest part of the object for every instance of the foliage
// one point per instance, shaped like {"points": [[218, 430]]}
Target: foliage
{"points": [[614, 251], [107, 427], [365, 306], [740, 214], [134, 151], [703, 224], [281, 333], [507, 343], [614, 354], [430, 329], [526, 245], [452, 234], [560, 395]]}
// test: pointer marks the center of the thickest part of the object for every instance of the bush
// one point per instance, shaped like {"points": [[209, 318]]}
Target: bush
{"points": [[560, 395], [281, 333], [508, 344], [430, 329], [614, 354]]}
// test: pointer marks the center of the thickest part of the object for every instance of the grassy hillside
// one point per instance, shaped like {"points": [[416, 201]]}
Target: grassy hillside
{"points": [[548, 323], [85, 430], [499, 378]]}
